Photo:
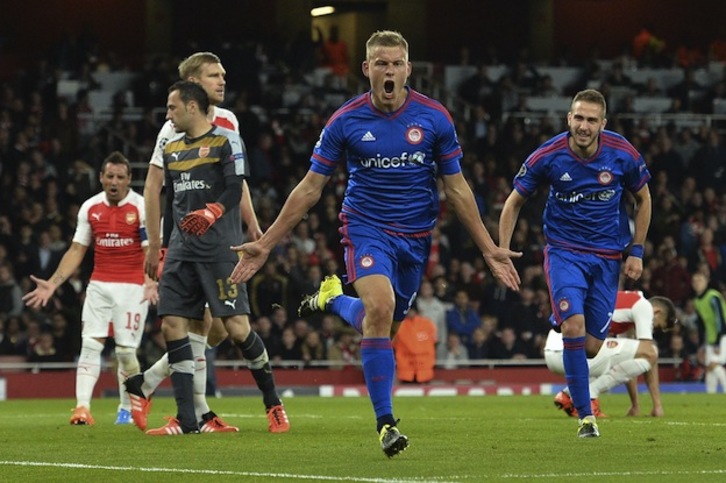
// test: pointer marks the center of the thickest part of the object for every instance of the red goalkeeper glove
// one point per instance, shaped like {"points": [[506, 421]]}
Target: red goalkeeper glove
{"points": [[198, 221]]}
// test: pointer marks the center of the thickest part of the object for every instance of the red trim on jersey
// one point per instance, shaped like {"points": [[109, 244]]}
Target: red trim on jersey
{"points": [[540, 153], [323, 160], [354, 104], [620, 144], [427, 101]]}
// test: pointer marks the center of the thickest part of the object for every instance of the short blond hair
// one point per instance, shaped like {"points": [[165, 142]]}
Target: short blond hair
{"points": [[592, 96], [192, 65], [385, 38]]}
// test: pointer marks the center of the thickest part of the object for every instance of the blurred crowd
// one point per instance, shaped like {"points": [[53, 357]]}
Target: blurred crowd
{"points": [[49, 162]]}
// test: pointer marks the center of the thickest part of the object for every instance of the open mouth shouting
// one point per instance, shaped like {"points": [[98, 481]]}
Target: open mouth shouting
{"points": [[388, 87]]}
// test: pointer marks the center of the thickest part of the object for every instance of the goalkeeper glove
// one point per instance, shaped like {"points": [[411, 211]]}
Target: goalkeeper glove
{"points": [[198, 221]]}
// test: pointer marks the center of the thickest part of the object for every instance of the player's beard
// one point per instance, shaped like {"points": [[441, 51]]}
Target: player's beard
{"points": [[583, 141]]}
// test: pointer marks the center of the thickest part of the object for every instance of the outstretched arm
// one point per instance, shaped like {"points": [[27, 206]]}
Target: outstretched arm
{"points": [[45, 288], [498, 259], [301, 199]]}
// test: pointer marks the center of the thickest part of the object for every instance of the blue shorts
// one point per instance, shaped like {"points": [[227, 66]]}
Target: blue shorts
{"points": [[375, 251], [582, 283]]}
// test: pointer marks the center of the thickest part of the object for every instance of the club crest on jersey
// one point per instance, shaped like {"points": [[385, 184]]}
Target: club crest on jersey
{"points": [[564, 305], [414, 135], [204, 151], [605, 177], [366, 261], [611, 344], [131, 218]]}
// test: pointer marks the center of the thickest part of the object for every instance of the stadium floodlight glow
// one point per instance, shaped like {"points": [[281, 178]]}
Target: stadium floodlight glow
{"points": [[320, 11]]}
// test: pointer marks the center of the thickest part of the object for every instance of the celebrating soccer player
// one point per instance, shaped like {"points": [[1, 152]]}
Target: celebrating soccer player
{"points": [[395, 142], [587, 229]]}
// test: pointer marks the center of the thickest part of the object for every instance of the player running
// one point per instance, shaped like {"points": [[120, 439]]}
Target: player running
{"points": [[395, 143]]}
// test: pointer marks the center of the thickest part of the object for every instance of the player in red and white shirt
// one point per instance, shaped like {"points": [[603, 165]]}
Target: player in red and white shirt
{"points": [[205, 69], [117, 298], [627, 352]]}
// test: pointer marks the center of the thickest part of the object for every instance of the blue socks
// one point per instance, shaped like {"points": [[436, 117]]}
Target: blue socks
{"points": [[577, 374], [379, 369], [350, 309]]}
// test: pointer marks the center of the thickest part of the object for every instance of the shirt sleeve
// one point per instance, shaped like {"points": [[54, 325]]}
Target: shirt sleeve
{"points": [[84, 232], [643, 319], [165, 133]]}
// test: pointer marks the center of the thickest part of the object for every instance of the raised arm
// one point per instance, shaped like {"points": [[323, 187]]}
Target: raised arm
{"points": [[253, 255], [45, 288]]}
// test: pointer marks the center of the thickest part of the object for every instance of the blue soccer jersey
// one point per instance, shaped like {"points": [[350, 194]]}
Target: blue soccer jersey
{"points": [[393, 160], [585, 210]]}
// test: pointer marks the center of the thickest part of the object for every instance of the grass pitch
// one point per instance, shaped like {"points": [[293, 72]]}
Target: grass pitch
{"points": [[453, 439]]}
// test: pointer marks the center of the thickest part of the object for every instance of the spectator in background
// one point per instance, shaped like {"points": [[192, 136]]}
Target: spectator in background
{"points": [[709, 162], [462, 319], [291, 347], [44, 259], [480, 345], [669, 160], [267, 289], [346, 350], [671, 279], [508, 346], [617, 77], [455, 354], [11, 295], [44, 351], [689, 91], [478, 88], [429, 306], [13, 340], [313, 349], [709, 254], [263, 327]]}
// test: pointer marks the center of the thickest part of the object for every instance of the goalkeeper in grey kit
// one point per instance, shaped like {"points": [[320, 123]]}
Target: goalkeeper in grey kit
{"points": [[204, 166]]}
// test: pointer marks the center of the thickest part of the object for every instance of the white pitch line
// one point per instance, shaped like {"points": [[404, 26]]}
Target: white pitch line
{"points": [[250, 474], [615, 473]]}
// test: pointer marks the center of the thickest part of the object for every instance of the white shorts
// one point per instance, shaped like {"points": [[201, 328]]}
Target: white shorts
{"points": [[616, 349], [716, 354], [115, 310]]}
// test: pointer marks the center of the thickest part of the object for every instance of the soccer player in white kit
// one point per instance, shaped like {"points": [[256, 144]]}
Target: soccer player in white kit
{"points": [[627, 352], [118, 294]]}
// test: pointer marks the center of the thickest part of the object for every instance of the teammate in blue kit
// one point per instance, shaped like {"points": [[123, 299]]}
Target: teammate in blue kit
{"points": [[587, 229], [394, 142]]}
